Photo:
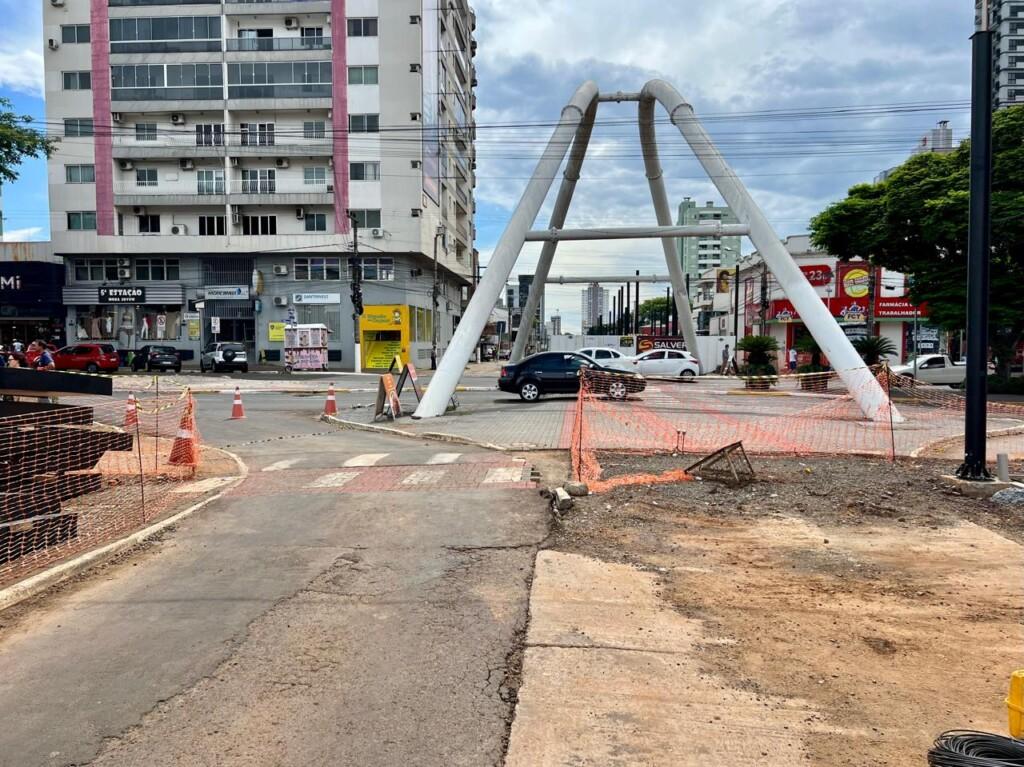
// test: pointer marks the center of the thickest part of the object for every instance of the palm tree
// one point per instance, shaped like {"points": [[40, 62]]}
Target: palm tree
{"points": [[759, 368], [873, 348]]}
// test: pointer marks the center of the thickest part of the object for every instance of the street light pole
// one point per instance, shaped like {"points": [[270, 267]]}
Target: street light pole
{"points": [[435, 293], [973, 467]]}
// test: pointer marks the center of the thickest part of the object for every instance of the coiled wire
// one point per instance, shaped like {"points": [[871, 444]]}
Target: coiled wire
{"points": [[968, 748]]}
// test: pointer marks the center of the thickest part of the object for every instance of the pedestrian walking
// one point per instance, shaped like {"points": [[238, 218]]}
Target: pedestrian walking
{"points": [[725, 360], [45, 360], [792, 360], [18, 346]]}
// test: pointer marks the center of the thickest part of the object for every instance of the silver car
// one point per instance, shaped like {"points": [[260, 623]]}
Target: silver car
{"points": [[223, 355]]}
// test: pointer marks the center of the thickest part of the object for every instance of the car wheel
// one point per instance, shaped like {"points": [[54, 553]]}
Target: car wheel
{"points": [[529, 391], [245, 368], [687, 373], [92, 367], [617, 390]]}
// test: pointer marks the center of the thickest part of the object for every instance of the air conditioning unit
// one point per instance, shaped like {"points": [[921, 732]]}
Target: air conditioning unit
{"points": [[235, 162], [53, 44], [177, 118], [416, 164], [291, 22], [300, 213], [236, 217], [139, 210], [415, 68], [186, 164], [57, 3], [124, 262], [179, 229], [115, 117], [280, 270], [330, 188], [124, 274], [416, 212], [377, 234], [280, 301], [125, 164], [281, 162], [415, 116]]}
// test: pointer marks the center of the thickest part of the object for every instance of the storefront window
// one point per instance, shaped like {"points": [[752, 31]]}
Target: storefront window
{"points": [[128, 326]]}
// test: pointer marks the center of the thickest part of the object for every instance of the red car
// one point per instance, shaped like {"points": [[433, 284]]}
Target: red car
{"points": [[92, 358]]}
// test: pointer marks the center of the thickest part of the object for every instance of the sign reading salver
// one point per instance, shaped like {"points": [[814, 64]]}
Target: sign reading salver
{"points": [[121, 295]]}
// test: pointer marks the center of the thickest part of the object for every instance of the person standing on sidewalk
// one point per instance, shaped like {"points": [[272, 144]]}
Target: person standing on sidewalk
{"points": [[792, 359]]}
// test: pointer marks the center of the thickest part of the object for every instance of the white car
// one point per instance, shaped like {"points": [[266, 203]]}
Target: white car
{"points": [[667, 363], [224, 355], [933, 369], [608, 358]]}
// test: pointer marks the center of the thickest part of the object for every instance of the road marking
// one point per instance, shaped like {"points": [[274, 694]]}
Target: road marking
{"points": [[425, 477], [287, 463], [337, 479], [444, 458], [204, 485], [504, 474], [366, 459]]}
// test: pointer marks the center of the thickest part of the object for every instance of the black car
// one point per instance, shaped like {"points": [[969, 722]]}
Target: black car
{"points": [[157, 358], [560, 373]]}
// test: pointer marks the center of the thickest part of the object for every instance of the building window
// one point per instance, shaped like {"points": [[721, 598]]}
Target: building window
{"points": [[316, 129], [314, 176], [363, 123], [316, 222], [315, 268], [210, 181], [367, 219], [364, 171], [211, 226], [77, 126], [210, 134], [145, 131], [163, 28], [137, 76], [279, 79], [198, 75], [150, 269], [145, 177], [366, 27], [363, 75], [83, 220], [95, 269], [378, 269], [312, 36], [259, 224], [149, 224], [257, 134], [77, 81], [259, 181], [80, 174], [74, 33]]}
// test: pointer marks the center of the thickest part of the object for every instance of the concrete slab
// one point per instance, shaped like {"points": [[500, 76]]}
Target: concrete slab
{"points": [[978, 489]]}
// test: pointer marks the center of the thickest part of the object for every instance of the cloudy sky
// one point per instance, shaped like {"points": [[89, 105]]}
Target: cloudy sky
{"points": [[830, 74]]}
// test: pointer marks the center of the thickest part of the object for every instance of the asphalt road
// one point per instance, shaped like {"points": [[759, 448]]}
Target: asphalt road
{"points": [[354, 602]]}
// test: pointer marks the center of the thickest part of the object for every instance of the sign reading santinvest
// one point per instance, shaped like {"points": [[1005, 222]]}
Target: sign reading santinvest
{"points": [[110, 295], [227, 292], [316, 298]]}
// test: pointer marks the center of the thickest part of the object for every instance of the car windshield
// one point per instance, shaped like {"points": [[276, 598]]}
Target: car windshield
{"points": [[161, 350], [106, 348], [232, 347]]}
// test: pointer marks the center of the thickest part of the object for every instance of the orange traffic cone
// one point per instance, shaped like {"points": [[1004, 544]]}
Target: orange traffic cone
{"points": [[237, 411], [331, 406], [131, 413], [185, 451]]}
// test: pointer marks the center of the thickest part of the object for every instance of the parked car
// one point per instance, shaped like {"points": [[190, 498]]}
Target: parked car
{"points": [[933, 369], [223, 355], [560, 373], [607, 358], [668, 363], [157, 358], [92, 358]]}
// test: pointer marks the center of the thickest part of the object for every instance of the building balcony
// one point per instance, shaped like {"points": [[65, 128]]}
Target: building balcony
{"points": [[130, 193], [212, 93], [165, 46], [258, 44], [287, 140], [285, 191], [275, 7]]}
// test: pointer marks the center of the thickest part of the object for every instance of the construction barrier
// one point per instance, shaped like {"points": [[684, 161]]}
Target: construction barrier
{"points": [[85, 471], [809, 414]]}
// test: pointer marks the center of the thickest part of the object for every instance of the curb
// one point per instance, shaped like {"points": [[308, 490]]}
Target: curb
{"points": [[40, 582], [429, 435], [943, 442]]}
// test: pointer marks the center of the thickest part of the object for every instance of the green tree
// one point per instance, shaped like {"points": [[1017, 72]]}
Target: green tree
{"points": [[653, 309], [916, 222], [873, 348], [18, 141]]}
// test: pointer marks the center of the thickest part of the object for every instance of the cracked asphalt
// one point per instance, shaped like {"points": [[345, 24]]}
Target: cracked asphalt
{"points": [[285, 627]]}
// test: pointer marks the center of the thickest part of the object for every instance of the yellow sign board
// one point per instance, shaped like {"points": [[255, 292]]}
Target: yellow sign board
{"points": [[275, 331], [195, 329], [384, 334], [385, 317]]}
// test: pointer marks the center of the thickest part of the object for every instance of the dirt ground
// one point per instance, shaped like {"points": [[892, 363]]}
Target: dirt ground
{"points": [[866, 590]]}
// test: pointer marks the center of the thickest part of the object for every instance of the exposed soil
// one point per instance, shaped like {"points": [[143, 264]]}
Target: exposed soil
{"points": [[888, 602]]}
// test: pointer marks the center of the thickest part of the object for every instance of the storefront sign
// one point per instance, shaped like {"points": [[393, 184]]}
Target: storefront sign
{"points": [[850, 310], [275, 331], [227, 293], [928, 341], [723, 280], [195, 325], [215, 325], [384, 330], [121, 295], [855, 281], [316, 298], [897, 307], [817, 274], [646, 343]]}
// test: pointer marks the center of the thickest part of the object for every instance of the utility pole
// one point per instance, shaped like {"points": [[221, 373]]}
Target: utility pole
{"points": [[355, 265], [636, 304], [436, 293], [736, 310], [973, 467], [669, 305], [764, 299], [869, 318]]}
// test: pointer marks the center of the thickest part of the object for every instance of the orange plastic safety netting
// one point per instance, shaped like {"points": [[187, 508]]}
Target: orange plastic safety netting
{"points": [[812, 414], [84, 471]]}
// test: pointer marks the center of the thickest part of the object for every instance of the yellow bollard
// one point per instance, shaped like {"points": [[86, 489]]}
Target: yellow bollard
{"points": [[1015, 704]]}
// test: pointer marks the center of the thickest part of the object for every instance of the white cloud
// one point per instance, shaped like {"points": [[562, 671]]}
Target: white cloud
{"points": [[28, 234], [21, 70]]}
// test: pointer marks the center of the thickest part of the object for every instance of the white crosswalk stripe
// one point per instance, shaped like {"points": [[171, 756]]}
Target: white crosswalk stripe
{"points": [[366, 459], [337, 479], [425, 477], [444, 458], [503, 474], [282, 465]]}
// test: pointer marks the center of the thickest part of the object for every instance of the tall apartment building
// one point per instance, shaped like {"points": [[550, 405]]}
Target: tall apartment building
{"points": [[1007, 22], [594, 306], [212, 151], [701, 254]]}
